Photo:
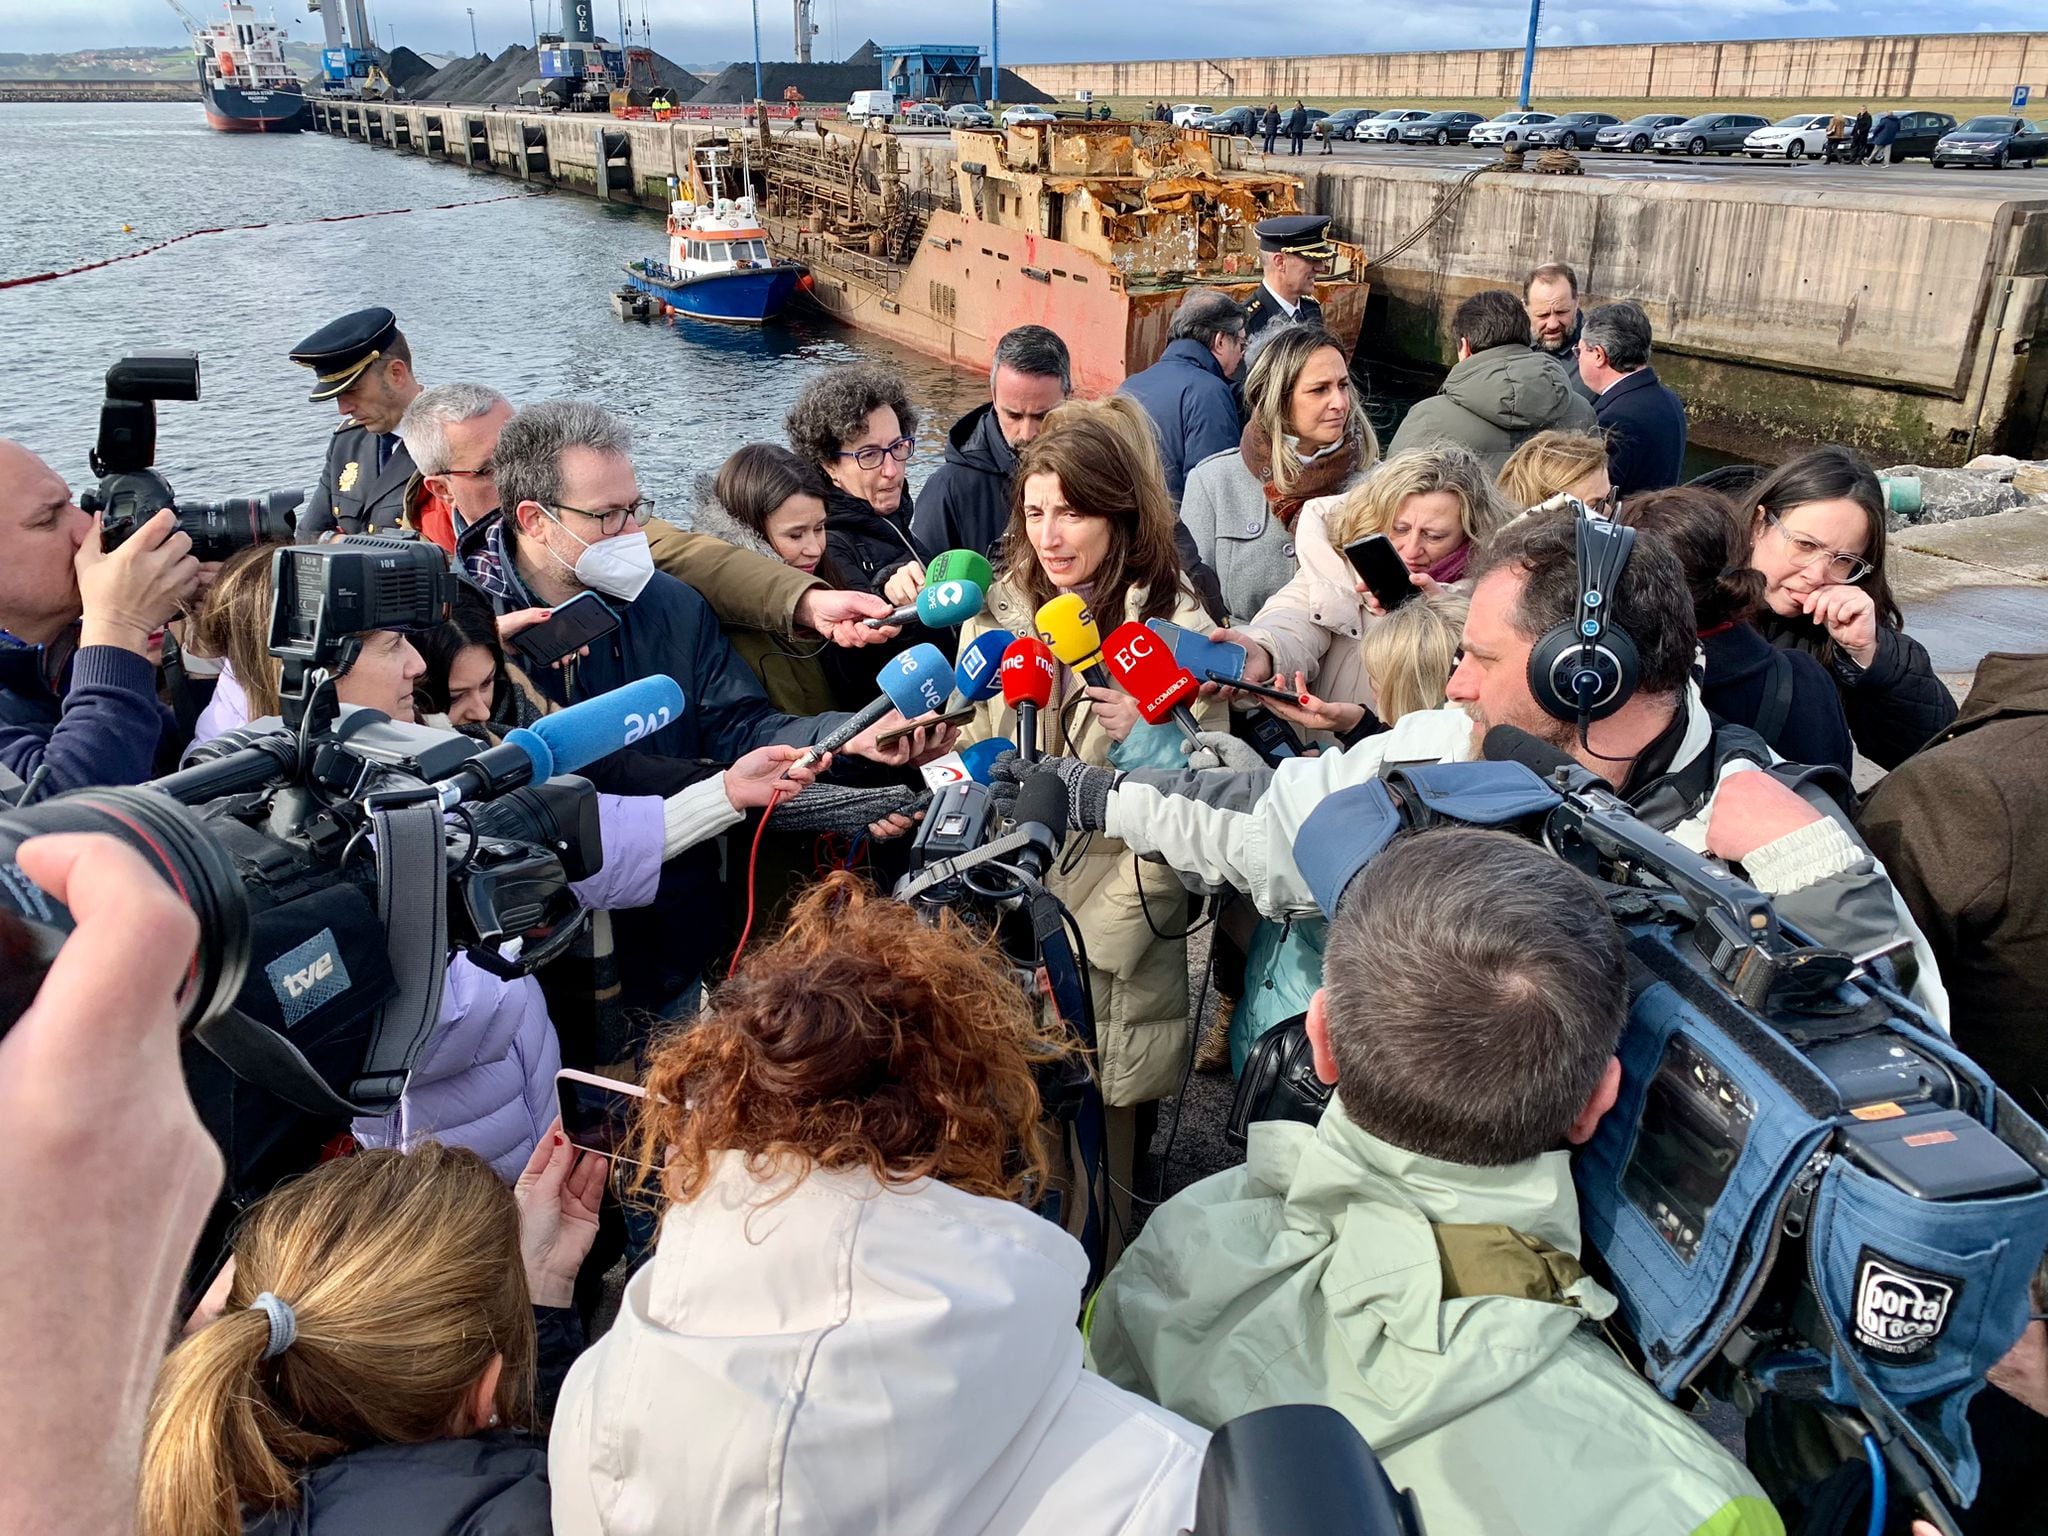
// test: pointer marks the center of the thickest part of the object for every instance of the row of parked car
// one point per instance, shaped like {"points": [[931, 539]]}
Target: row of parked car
{"points": [[1995, 141]]}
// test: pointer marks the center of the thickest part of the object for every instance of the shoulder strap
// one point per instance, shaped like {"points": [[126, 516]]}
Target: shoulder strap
{"points": [[1777, 706]]}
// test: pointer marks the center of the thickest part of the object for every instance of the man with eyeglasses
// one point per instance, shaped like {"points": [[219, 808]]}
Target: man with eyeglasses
{"points": [[1643, 419], [363, 364], [451, 431]]}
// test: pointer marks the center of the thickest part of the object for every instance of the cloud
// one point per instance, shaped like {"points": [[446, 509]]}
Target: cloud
{"points": [[710, 31]]}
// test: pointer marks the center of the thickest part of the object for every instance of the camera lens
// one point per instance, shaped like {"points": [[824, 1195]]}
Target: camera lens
{"points": [[219, 528], [174, 843]]}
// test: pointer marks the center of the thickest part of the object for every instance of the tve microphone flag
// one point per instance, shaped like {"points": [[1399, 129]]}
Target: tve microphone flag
{"points": [[915, 682]]}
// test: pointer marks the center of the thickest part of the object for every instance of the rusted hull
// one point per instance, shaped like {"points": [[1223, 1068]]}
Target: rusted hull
{"points": [[970, 282]]}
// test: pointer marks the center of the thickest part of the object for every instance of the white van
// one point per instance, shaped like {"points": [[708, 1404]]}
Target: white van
{"points": [[874, 107]]}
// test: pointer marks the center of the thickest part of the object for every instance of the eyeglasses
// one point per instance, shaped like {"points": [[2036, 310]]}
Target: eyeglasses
{"points": [[613, 522], [1843, 567], [869, 455], [484, 471]]}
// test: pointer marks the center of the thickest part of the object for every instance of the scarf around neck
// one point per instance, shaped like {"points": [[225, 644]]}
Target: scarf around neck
{"points": [[1323, 475], [1452, 566]]}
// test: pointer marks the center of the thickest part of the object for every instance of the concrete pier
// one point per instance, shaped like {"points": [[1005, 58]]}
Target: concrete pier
{"points": [[1906, 316]]}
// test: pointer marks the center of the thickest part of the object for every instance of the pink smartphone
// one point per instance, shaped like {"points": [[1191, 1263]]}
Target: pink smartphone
{"points": [[597, 1112]]}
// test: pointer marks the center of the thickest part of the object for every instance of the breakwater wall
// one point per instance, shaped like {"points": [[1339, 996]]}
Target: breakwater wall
{"points": [[99, 90], [1915, 328], [1970, 66]]}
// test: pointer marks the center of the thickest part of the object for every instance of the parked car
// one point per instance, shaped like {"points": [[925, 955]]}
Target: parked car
{"points": [[1993, 141], [924, 114], [1507, 128], [1382, 127], [1635, 134], [1919, 132], [1716, 133], [1242, 121], [1791, 138], [1570, 130], [967, 115], [1441, 128], [1017, 117], [1185, 112], [1339, 125]]}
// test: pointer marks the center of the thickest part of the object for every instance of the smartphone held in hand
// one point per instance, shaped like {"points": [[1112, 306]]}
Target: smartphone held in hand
{"points": [[572, 626], [597, 1112], [1381, 568]]}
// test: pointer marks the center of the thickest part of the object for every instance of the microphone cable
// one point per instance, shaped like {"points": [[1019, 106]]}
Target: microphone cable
{"points": [[783, 790]]}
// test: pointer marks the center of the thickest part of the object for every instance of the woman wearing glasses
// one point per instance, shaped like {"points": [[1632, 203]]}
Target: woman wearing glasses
{"points": [[857, 424], [1818, 525]]}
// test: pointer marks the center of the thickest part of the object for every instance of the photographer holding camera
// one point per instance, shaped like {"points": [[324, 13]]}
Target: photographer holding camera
{"points": [[1413, 1260], [78, 701]]}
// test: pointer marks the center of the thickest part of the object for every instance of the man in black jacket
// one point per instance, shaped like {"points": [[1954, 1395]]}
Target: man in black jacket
{"points": [[1187, 393], [1643, 420], [966, 503]]}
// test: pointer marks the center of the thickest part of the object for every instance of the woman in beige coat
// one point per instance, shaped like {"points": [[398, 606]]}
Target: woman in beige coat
{"points": [[1434, 504], [1090, 514]]}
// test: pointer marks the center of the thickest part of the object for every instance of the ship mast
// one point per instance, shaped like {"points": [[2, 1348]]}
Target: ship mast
{"points": [[191, 22]]}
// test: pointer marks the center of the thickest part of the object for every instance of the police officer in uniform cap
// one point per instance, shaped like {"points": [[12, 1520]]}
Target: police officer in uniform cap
{"points": [[362, 363], [1292, 249]]}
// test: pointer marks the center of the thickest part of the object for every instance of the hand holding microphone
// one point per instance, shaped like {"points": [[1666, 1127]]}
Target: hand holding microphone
{"points": [[956, 570], [1026, 681], [914, 683], [1068, 628], [1162, 689]]}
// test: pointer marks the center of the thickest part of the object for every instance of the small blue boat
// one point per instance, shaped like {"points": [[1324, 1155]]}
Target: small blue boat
{"points": [[718, 266]]}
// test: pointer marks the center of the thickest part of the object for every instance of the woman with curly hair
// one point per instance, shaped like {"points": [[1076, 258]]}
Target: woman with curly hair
{"points": [[858, 426], [848, 1322]]}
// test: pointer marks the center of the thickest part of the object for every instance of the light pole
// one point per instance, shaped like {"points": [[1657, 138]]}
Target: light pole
{"points": [[533, 26], [995, 55], [472, 27], [1529, 52], [757, 49]]}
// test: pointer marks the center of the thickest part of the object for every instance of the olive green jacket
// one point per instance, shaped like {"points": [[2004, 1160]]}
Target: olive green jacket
{"points": [[1333, 1267]]}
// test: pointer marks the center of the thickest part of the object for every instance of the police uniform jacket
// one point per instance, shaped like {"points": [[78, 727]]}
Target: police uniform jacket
{"points": [[1263, 309], [354, 495]]}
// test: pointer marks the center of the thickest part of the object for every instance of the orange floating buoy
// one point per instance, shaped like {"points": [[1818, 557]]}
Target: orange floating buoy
{"points": [[805, 283]]}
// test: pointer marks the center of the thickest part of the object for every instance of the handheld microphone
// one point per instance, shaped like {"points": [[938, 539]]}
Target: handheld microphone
{"points": [[915, 682], [1027, 674], [939, 605], [960, 565], [973, 764], [1554, 765], [975, 675], [1140, 661], [1066, 625], [1040, 811], [569, 739]]}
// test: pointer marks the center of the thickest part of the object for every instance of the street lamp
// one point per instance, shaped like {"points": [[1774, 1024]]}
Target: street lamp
{"points": [[533, 25], [1529, 51], [472, 27], [757, 49]]}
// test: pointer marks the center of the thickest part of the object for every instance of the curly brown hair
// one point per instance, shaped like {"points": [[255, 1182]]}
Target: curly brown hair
{"points": [[833, 409], [861, 1037]]}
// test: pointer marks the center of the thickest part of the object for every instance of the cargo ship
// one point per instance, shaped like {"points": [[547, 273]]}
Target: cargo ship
{"points": [[243, 78], [1094, 229]]}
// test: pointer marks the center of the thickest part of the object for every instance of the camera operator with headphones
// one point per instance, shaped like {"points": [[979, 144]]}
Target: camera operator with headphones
{"points": [[1580, 635], [77, 680]]}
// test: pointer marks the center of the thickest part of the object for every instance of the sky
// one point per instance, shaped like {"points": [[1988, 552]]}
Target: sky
{"points": [[709, 31]]}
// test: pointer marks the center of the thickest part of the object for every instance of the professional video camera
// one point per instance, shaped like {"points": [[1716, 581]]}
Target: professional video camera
{"points": [[1805, 1196], [336, 857], [131, 491]]}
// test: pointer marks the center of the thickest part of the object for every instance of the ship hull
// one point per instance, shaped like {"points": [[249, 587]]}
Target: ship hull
{"points": [[231, 109], [748, 298], [971, 282]]}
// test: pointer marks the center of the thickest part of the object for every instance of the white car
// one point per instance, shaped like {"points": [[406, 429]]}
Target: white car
{"points": [[1791, 138], [1387, 124], [1507, 128], [1185, 112], [874, 107], [1016, 116]]}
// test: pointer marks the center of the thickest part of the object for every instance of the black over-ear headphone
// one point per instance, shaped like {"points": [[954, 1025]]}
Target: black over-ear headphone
{"points": [[1587, 667]]}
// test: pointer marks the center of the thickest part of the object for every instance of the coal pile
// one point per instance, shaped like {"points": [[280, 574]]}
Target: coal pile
{"points": [[484, 81], [404, 69], [828, 84]]}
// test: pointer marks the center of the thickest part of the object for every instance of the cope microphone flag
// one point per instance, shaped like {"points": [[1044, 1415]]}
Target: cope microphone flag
{"points": [[1140, 661], [1066, 625], [1027, 676], [946, 605], [915, 683]]}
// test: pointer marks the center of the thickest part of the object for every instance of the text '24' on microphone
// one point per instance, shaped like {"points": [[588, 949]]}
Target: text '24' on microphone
{"points": [[1141, 662], [1027, 672], [975, 673], [915, 683], [1066, 625], [568, 740], [939, 605]]}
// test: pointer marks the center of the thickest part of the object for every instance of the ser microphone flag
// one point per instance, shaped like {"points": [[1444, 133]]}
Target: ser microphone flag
{"points": [[941, 605], [1027, 676], [915, 683], [1066, 625], [1140, 661]]}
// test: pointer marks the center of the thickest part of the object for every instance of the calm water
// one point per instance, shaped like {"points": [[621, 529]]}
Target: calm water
{"points": [[511, 293]]}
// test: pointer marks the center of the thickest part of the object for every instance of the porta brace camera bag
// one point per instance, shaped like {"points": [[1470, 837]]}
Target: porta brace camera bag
{"points": [[1831, 1200]]}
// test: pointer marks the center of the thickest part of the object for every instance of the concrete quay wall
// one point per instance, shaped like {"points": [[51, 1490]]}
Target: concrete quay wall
{"points": [[1954, 67], [1915, 328]]}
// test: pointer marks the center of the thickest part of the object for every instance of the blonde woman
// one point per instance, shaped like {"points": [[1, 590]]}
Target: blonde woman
{"points": [[1090, 515], [1434, 504], [1574, 463], [1307, 437], [373, 1364]]}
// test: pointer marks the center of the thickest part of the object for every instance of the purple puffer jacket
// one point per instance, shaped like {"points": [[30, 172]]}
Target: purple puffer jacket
{"points": [[486, 1079]]}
